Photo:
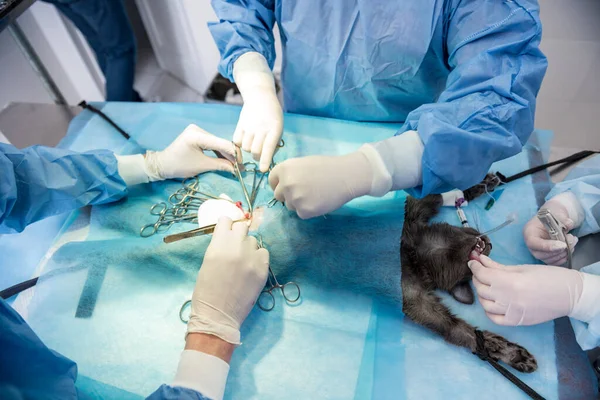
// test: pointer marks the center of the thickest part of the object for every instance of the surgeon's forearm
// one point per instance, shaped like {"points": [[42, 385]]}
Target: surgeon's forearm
{"points": [[209, 344]]}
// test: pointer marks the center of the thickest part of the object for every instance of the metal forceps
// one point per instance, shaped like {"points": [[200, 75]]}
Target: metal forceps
{"points": [[250, 198], [184, 306], [290, 291], [205, 230], [162, 210], [238, 175], [164, 224], [182, 197]]}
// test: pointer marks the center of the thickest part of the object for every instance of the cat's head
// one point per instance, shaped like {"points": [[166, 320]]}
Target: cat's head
{"points": [[482, 244], [443, 243]]}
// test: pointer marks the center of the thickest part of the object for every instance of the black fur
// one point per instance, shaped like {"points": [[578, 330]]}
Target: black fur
{"points": [[435, 256]]}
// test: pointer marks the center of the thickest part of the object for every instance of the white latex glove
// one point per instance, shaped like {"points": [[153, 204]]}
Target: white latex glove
{"points": [[260, 125], [525, 294], [232, 276], [316, 185], [566, 208], [183, 158]]}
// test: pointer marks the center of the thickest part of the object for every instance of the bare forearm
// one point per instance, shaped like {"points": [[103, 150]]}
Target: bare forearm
{"points": [[210, 345]]}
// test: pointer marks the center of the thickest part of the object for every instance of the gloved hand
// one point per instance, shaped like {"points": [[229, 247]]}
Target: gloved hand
{"points": [[183, 158], [316, 185], [525, 294], [230, 280], [566, 208], [260, 125]]}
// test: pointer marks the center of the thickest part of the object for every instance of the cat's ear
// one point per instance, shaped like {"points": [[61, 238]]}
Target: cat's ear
{"points": [[463, 293]]}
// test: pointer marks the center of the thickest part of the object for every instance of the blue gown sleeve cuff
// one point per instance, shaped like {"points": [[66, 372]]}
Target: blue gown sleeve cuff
{"points": [[587, 192], [166, 392]]}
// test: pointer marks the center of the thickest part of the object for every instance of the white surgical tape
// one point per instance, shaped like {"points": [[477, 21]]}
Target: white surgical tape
{"points": [[449, 198]]}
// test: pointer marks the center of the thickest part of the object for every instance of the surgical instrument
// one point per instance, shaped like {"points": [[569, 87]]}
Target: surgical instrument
{"points": [[182, 196], [162, 209], [238, 175], [150, 229], [194, 232], [255, 188], [184, 306], [266, 299], [556, 230]]}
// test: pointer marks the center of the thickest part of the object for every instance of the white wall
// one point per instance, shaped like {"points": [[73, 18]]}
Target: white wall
{"points": [[18, 82], [569, 102], [182, 41], [48, 34]]}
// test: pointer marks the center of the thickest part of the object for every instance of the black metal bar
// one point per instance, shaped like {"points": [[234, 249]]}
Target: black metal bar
{"points": [[18, 288], [10, 10]]}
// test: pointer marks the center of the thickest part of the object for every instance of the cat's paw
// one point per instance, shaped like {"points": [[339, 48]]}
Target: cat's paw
{"points": [[522, 360], [510, 353]]}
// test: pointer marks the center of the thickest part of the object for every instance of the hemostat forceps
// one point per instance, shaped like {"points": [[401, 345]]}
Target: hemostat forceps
{"points": [[290, 291]]}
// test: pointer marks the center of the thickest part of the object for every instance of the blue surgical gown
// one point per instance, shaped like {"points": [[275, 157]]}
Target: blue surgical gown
{"points": [[30, 370], [463, 73], [39, 181], [584, 183]]}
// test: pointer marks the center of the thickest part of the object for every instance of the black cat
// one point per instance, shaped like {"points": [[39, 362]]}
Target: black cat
{"points": [[434, 256]]}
